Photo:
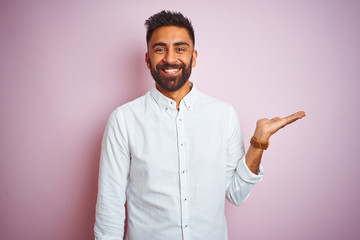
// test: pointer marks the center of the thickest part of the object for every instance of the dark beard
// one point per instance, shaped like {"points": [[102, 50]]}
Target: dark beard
{"points": [[171, 83]]}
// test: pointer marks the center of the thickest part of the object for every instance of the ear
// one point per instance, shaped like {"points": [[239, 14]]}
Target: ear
{"points": [[195, 54], [147, 60]]}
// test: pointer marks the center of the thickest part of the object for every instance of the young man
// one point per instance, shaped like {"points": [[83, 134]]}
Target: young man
{"points": [[174, 154]]}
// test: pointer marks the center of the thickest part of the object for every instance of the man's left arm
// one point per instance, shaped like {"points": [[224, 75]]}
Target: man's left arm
{"points": [[243, 171], [239, 179]]}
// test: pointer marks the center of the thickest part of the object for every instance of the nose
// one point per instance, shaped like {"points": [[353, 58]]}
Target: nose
{"points": [[170, 57]]}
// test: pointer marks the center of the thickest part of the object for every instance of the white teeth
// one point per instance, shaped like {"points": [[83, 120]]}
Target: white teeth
{"points": [[171, 70]]}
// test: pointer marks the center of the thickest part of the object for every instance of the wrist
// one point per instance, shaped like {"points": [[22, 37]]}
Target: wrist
{"points": [[259, 144], [261, 137]]}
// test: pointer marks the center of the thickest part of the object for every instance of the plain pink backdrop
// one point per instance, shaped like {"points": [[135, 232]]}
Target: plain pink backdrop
{"points": [[65, 65]]}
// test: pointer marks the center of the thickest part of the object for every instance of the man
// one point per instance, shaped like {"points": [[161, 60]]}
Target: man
{"points": [[174, 154]]}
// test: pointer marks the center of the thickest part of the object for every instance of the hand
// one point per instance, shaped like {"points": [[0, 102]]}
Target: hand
{"points": [[267, 127]]}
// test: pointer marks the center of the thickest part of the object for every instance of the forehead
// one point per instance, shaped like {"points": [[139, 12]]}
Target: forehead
{"points": [[170, 35]]}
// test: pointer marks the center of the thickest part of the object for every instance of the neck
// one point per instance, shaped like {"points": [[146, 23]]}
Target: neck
{"points": [[177, 95]]}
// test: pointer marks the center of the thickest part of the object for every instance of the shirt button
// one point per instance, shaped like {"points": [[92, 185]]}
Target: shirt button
{"points": [[182, 144], [186, 226], [180, 120], [185, 199], [183, 171]]}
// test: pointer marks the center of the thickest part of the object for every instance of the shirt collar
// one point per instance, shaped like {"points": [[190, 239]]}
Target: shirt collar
{"points": [[166, 103]]}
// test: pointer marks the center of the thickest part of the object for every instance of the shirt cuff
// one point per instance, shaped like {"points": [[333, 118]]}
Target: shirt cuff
{"points": [[248, 176]]}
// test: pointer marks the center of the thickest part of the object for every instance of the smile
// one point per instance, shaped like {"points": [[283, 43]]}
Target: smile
{"points": [[171, 70]]}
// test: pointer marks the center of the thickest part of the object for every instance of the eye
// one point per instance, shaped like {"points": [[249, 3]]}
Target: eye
{"points": [[160, 50], [180, 49]]}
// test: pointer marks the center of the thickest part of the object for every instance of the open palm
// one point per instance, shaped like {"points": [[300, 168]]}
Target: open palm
{"points": [[267, 127]]}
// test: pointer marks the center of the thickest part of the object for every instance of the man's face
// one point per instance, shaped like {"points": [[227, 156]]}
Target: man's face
{"points": [[170, 57]]}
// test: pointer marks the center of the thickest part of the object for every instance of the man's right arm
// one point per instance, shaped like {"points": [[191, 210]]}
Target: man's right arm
{"points": [[113, 174]]}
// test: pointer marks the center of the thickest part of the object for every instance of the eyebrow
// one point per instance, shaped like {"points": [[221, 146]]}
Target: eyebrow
{"points": [[181, 43], [164, 44]]}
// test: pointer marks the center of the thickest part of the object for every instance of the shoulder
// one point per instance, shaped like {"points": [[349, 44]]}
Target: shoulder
{"points": [[130, 108], [134, 105], [206, 101]]}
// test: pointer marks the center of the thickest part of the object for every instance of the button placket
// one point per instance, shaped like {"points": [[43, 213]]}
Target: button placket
{"points": [[183, 175]]}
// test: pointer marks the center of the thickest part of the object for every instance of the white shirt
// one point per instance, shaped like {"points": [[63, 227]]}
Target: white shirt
{"points": [[172, 168]]}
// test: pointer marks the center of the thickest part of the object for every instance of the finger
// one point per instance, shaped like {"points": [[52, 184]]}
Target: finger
{"points": [[293, 117]]}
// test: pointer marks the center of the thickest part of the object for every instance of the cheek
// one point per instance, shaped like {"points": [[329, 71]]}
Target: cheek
{"points": [[155, 61]]}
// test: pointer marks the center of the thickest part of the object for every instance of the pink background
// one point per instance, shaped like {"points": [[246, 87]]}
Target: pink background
{"points": [[65, 65]]}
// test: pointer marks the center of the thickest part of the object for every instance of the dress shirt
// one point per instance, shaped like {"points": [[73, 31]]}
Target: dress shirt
{"points": [[172, 169]]}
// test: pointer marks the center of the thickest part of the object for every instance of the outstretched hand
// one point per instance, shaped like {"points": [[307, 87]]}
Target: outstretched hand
{"points": [[264, 129], [267, 127]]}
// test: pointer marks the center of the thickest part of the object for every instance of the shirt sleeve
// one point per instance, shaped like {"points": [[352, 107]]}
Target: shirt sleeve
{"points": [[239, 179], [113, 175]]}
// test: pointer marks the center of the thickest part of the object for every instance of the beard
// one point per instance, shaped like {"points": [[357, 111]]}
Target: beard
{"points": [[171, 83]]}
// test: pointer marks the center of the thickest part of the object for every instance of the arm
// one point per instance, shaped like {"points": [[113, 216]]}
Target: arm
{"points": [[113, 174], [239, 179], [265, 128], [244, 171]]}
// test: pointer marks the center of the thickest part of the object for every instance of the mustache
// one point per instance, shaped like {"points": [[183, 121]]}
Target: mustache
{"points": [[159, 66]]}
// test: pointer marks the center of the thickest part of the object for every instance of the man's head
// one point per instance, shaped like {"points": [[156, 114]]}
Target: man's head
{"points": [[168, 18], [171, 54]]}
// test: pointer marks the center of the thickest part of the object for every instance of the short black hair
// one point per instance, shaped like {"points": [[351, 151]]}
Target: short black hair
{"points": [[168, 18]]}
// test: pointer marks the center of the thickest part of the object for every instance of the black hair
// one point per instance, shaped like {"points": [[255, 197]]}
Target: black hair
{"points": [[168, 18]]}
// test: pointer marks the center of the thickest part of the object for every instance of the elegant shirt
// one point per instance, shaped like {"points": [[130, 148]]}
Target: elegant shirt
{"points": [[172, 169]]}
